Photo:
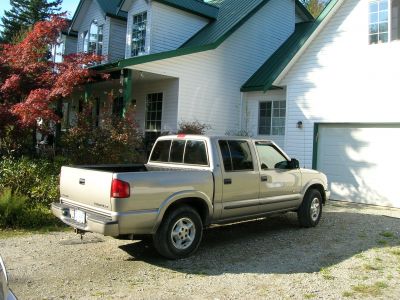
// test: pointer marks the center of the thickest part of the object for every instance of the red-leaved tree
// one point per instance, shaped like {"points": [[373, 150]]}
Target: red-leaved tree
{"points": [[31, 83]]}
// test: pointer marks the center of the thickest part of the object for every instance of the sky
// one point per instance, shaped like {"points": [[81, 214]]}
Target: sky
{"points": [[68, 5]]}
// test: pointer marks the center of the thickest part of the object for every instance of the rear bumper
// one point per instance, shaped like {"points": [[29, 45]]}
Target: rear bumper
{"points": [[94, 222], [135, 222]]}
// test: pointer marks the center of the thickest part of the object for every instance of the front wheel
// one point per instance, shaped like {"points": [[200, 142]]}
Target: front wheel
{"points": [[180, 233], [310, 210]]}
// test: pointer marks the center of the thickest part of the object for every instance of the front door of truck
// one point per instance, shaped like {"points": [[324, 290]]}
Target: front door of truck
{"points": [[280, 186], [240, 179]]}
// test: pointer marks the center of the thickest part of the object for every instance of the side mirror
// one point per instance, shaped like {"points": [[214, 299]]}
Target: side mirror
{"points": [[294, 164]]}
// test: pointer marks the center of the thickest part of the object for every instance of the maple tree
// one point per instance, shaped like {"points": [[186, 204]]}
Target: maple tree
{"points": [[31, 83]]}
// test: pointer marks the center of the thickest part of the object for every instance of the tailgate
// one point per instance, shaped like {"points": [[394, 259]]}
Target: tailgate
{"points": [[86, 187]]}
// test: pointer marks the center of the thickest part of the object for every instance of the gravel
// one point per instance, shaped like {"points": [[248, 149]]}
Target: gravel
{"points": [[354, 253]]}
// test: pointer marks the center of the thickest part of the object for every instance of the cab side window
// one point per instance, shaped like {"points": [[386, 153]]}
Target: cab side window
{"points": [[270, 158], [236, 156]]}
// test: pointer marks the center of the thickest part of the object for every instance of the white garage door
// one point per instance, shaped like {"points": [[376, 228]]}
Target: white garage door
{"points": [[362, 162]]}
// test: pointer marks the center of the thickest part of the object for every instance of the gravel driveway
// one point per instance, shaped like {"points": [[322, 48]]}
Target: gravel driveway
{"points": [[353, 254]]}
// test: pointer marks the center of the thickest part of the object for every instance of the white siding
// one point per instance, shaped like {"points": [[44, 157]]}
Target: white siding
{"points": [[340, 78], [251, 113], [137, 7], [70, 44], [172, 27], [116, 45], [94, 12], [210, 81], [169, 88]]}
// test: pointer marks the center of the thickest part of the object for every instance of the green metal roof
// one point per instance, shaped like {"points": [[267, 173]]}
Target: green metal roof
{"points": [[232, 14], [111, 8], [197, 7], [263, 79]]}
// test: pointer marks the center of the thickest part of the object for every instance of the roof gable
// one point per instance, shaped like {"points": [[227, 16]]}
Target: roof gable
{"points": [[109, 8], [265, 76]]}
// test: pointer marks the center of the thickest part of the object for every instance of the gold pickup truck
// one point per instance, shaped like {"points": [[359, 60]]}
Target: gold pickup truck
{"points": [[189, 183]]}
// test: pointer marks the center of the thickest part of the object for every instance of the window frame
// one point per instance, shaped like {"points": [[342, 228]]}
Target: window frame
{"points": [[253, 155], [390, 32], [142, 42], [183, 163], [98, 41], [266, 143], [272, 117], [155, 111]]}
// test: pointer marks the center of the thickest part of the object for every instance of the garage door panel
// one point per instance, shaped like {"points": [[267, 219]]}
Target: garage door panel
{"points": [[361, 162]]}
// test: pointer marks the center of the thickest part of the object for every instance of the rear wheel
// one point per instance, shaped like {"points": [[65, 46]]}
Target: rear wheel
{"points": [[310, 210], [180, 233]]}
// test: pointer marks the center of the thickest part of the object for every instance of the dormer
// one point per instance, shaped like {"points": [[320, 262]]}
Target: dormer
{"points": [[101, 28], [162, 25]]}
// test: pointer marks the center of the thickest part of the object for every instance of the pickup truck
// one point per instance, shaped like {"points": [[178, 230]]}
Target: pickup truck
{"points": [[189, 183]]}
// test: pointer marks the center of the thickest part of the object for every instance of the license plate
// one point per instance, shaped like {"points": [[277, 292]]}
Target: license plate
{"points": [[79, 216]]}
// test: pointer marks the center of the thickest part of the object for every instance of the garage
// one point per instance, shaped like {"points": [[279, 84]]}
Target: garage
{"points": [[361, 161]]}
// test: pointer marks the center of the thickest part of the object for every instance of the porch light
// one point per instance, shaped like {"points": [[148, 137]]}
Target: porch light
{"points": [[299, 124]]}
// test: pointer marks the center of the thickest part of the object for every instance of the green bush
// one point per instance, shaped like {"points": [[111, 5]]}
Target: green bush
{"points": [[35, 178], [12, 208]]}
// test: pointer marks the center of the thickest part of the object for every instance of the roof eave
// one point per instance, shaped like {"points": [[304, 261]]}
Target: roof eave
{"points": [[210, 15]]}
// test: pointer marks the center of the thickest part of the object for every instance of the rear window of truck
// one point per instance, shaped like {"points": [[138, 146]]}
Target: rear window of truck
{"points": [[189, 152]]}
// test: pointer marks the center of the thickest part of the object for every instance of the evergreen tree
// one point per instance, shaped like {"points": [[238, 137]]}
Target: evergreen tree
{"points": [[315, 7], [23, 14]]}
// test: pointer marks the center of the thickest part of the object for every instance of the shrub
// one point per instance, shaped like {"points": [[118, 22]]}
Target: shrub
{"points": [[12, 207], [115, 140], [193, 127], [35, 178]]}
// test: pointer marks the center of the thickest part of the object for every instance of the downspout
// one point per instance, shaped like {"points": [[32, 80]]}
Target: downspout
{"points": [[241, 112]]}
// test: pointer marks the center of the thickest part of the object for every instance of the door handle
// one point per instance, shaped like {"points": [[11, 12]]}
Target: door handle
{"points": [[264, 178], [228, 181]]}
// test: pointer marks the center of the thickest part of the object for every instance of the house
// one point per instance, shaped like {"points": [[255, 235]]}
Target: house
{"points": [[337, 79], [323, 89], [187, 60]]}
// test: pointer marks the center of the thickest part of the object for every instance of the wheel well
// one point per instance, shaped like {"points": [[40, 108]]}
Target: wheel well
{"points": [[319, 188], [196, 203]]}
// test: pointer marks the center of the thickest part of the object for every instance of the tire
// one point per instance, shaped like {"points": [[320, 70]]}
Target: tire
{"points": [[179, 234], [310, 210]]}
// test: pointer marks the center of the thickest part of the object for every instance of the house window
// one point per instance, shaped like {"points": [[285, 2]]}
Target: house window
{"points": [[272, 118], [93, 39], [139, 34], [154, 112], [85, 41], [58, 52], [118, 107], [384, 22]]}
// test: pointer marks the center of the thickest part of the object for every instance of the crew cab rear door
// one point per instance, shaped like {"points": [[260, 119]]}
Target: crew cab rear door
{"points": [[240, 179]]}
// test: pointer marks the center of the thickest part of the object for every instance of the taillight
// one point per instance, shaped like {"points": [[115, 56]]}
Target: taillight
{"points": [[120, 189]]}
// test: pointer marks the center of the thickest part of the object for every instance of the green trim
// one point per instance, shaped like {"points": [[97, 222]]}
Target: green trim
{"points": [[208, 10], [128, 89], [263, 79], [305, 10], [315, 146], [163, 55], [186, 48], [116, 17]]}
